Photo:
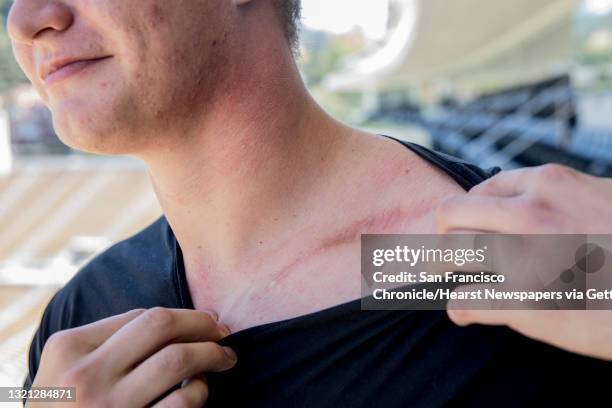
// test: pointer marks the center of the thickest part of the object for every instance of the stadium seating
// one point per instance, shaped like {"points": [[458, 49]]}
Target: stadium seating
{"points": [[527, 125]]}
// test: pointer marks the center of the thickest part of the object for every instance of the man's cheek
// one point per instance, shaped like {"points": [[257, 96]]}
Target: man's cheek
{"points": [[23, 57]]}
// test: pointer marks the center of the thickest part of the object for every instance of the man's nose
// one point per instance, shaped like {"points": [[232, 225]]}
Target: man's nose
{"points": [[29, 19]]}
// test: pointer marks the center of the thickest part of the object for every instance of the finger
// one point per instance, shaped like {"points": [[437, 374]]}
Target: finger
{"points": [[505, 184], [519, 315], [193, 394], [472, 298], [550, 326], [473, 212], [481, 311], [464, 317], [152, 331], [475, 259], [96, 333], [170, 366]]}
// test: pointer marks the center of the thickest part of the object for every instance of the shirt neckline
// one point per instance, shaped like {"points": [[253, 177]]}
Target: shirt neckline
{"points": [[186, 302]]}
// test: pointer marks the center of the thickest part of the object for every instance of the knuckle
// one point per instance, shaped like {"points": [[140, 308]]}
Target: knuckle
{"points": [[159, 318], [73, 378], [84, 372], [61, 342], [176, 358], [484, 187], [83, 376], [535, 212], [79, 377], [137, 312], [555, 172]]}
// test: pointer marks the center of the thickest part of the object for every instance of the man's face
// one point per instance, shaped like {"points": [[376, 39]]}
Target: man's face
{"points": [[145, 65]]}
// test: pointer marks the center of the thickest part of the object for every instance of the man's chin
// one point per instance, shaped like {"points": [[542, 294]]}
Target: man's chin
{"points": [[86, 126], [86, 145], [92, 141]]}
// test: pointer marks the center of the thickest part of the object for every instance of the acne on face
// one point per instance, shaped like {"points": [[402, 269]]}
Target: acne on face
{"points": [[154, 15], [163, 61]]}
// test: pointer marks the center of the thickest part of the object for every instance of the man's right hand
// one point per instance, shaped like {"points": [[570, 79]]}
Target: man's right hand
{"points": [[133, 359]]}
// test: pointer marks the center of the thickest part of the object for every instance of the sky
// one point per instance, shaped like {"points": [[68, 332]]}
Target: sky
{"points": [[598, 6], [340, 16]]}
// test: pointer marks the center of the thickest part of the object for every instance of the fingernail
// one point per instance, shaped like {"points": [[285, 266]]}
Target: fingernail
{"points": [[230, 353], [224, 329]]}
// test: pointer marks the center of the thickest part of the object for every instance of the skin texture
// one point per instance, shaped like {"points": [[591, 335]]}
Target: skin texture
{"points": [[121, 107], [256, 180], [265, 192], [550, 199]]}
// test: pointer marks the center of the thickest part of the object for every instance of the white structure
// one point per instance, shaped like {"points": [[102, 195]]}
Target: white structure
{"points": [[474, 43], [6, 157]]}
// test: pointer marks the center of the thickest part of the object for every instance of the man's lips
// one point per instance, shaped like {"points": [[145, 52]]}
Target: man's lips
{"points": [[62, 68]]}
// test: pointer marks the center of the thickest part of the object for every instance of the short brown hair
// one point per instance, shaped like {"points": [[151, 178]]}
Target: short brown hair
{"points": [[290, 13]]}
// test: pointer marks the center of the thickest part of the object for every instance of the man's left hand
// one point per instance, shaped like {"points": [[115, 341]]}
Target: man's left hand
{"points": [[549, 199]]}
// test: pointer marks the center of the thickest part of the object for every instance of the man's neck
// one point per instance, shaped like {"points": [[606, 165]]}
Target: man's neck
{"points": [[236, 184]]}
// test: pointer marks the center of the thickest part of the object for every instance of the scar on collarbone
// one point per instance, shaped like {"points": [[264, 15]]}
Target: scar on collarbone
{"points": [[381, 222], [391, 221]]}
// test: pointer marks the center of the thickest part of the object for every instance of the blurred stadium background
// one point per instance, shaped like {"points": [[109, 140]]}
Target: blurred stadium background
{"points": [[510, 83]]}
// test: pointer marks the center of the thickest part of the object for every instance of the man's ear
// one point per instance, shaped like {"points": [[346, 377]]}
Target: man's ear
{"points": [[241, 2]]}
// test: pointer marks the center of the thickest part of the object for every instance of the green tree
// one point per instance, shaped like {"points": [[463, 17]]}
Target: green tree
{"points": [[10, 73], [322, 53]]}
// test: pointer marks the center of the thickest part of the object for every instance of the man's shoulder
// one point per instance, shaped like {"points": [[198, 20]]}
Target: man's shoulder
{"points": [[462, 172], [134, 273]]}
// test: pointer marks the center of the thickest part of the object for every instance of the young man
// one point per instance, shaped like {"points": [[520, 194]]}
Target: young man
{"points": [[265, 197]]}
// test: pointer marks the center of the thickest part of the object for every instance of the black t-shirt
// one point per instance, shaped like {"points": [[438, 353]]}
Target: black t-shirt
{"points": [[340, 356]]}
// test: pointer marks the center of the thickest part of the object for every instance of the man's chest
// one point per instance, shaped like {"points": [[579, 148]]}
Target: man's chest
{"points": [[315, 280]]}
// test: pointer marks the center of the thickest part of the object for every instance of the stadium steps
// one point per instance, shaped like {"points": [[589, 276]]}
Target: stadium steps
{"points": [[46, 207], [21, 308]]}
